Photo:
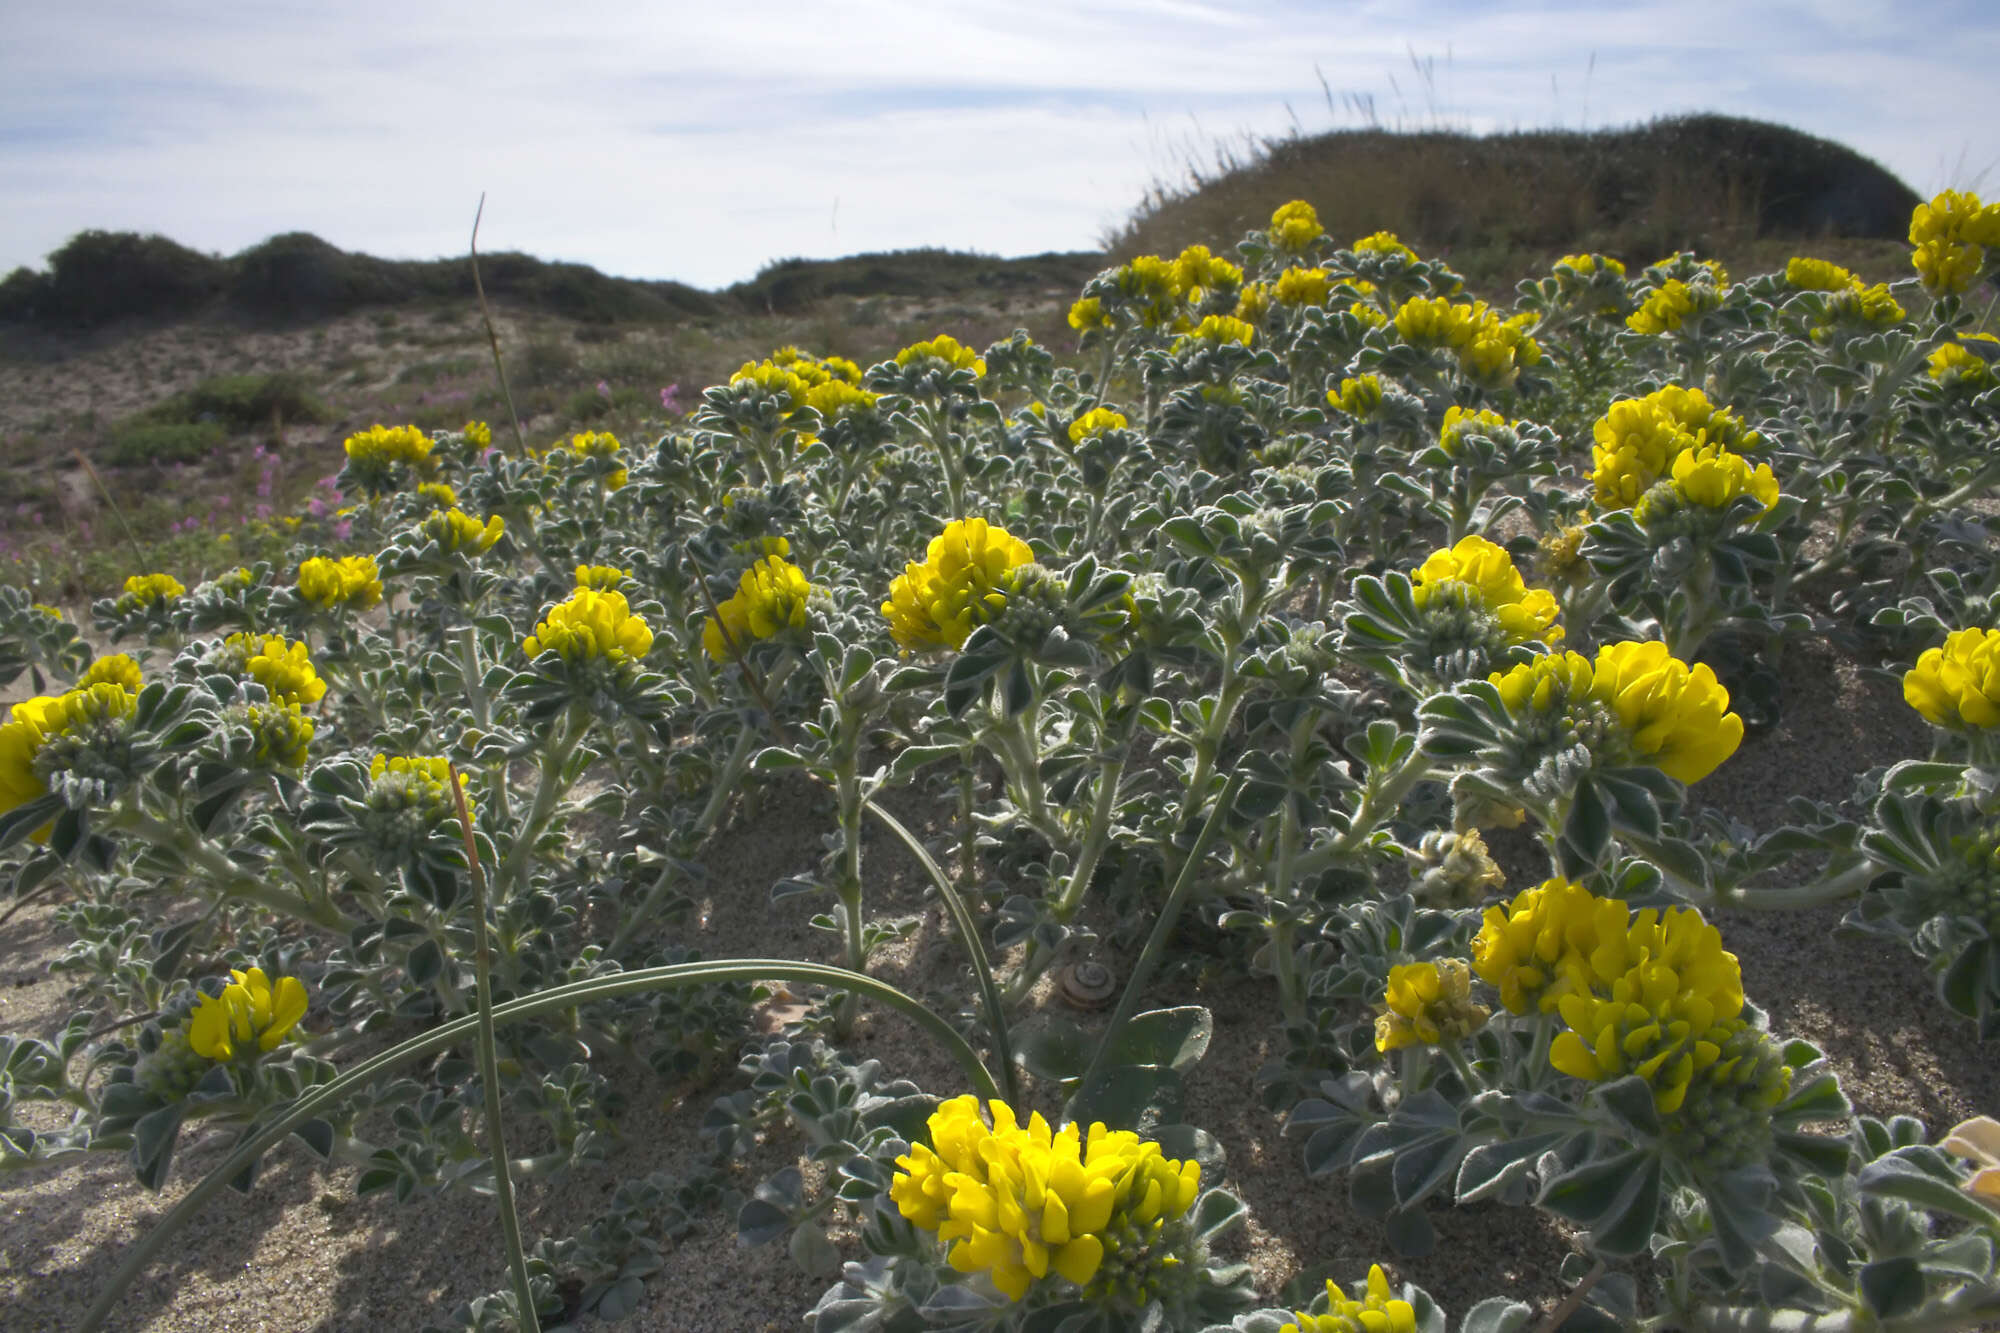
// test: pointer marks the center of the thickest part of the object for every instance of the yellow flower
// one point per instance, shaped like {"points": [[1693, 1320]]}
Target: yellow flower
{"points": [[478, 434], [1486, 573], [1095, 422], [1585, 265], [777, 381], [249, 1010], [1302, 286], [282, 668], [1531, 949], [1978, 1141], [959, 586], [145, 589], [1360, 396], [1671, 305], [1948, 266], [1295, 226], [436, 495], [1253, 302], [1490, 350], [1219, 329], [1197, 274], [1638, 439], [594, 444], [603, 578], [1954, 363], [1385, 243], [591, 624], [30, 724], [1712, 477], [1088, 314], [1958, 685], [1659, 998], [456, 530], [1147, 283], [1019, 1202], [1817, 275], [1673, 717], [1676, 718], [943, 348], [769, 599], [1374, 1312], [352, 581], [836, 398], [114, 669], [421, 780], [1427, 1004]]}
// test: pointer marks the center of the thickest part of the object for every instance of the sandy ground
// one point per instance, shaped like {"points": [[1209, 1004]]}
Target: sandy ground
{"points": [[302, 1253]]}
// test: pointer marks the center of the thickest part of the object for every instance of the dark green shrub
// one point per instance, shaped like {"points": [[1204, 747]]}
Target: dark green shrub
{"points": [[135, 443], [242, 403], [299, 276], [100, 276], [23, 293]]}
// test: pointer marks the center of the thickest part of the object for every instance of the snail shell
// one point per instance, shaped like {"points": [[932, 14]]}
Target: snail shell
{"points": [[1087, 984]]}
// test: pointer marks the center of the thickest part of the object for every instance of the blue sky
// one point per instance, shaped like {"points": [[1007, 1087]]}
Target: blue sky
{"points": [[701, 141]]}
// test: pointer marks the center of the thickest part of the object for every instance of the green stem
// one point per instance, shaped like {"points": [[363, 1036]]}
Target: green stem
{"points": [[141, 1255], [482, 713], [233, 879], [1156, 943], [489, 1071], [1847, 884], [555, 758]]}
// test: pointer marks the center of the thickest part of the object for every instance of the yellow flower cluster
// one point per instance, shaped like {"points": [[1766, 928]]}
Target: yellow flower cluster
{"points": [[1951, 234], [1302, 286], [1217, 330], [1253, 302], [1671, 305], [145, 589], [1427, 1004], [379, 448], [769, 599], [352, 581], [1021, 1202], [1958, 685], [1818, 275], [775, 380], [281, 734], [32, 723], [436, 495], [1197, 274], [1653, 994], [1483, 573], [1385, 243], [1638, 439], [1374, 1312], [943, 348], [1490, 350], [112, 669], [478, 434], [960, 585], [594, 444], [250, 1014], [1458, 420], [1359, 396], [1295, 226], [1674, 717], [1088, 315], [426, 779], [1586, 265], [1956, 364], [591, 625], [817, 370], [455, 530], [1095, 422], [603, 578], [283, 668], [835, 398]]}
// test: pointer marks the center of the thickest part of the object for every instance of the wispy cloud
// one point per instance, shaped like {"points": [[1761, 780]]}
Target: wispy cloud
{"points": [[701, 141]]}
